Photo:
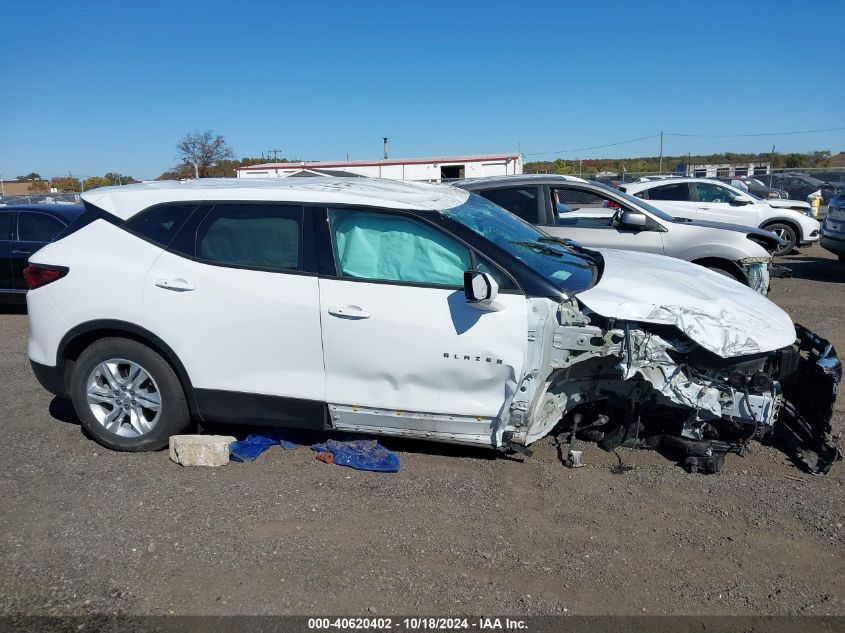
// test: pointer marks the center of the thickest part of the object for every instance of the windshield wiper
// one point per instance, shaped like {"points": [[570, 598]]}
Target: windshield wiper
{"points": [[540, 247], [562, 240]]}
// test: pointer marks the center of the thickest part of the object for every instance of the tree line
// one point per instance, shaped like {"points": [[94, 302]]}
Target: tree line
{"points": [[651, 164]]}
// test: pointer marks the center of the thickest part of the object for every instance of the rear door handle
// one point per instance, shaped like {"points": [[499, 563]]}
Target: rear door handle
{"points": [[349, 312], [703, 206], [179, 285], [19, 252]]}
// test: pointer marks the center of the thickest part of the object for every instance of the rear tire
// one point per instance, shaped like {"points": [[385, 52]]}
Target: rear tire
{"points": [[127, 396], [785, 232]]}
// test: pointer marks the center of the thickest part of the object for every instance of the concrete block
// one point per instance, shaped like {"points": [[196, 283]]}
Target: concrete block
{"points": [[200, 450]]}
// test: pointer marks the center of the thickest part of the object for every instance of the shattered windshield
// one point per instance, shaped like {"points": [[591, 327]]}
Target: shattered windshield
{"points": [[562, 264]]}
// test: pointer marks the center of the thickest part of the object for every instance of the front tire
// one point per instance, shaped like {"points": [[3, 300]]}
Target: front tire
{"points": [[127, 396], [787, 233]]}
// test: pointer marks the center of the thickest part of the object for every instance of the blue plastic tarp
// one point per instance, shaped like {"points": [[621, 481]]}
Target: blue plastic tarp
{"points": [[360, 455], [254, 445]]}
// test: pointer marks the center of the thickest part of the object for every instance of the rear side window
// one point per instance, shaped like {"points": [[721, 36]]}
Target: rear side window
{"points": [[678, 191], [263, 236], [521, 201], [37, 227], [160, 223], [5, 225]]}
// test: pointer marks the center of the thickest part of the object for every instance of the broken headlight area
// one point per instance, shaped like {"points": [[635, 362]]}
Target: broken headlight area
{"points": [[659, 390], [757, 271]]}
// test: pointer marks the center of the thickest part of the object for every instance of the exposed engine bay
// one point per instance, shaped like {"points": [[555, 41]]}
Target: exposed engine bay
{"points": [[649, 385]]}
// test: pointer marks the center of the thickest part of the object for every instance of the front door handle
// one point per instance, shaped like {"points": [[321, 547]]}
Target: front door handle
{"points": [[179, 285], [19, 252], [349, 312], [703, 206]]}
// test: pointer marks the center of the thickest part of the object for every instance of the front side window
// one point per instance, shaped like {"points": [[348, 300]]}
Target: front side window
{"points": [[37, 227], [678, 191], [263, 236], [392, 247], [521, 201], [708, 192]]}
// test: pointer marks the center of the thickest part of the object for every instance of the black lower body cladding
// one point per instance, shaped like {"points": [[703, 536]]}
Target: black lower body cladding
{"points": [[809, 393]]}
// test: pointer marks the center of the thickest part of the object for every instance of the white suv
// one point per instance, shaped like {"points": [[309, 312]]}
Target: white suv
{"points": [[404, 309], [704, 199]]}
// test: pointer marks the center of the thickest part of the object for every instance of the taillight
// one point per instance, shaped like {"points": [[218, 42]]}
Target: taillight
{"points": [[37, 275]]}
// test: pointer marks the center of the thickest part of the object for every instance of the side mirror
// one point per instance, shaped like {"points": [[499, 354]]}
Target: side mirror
{"points": [[633, 220], [740, 202], [480, 287]]}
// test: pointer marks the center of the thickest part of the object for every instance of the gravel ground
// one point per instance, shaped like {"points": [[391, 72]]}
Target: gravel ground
{"points": [[84, 530]]}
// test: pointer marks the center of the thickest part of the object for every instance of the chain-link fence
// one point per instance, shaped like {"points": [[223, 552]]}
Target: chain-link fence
{"points": [[41, 198]]}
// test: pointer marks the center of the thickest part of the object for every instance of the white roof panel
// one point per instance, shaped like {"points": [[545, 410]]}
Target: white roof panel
{"points": [[127, 200]]}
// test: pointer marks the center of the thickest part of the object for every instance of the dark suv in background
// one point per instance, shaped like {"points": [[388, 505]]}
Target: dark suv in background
{"points": [[23, 230], [799, 186], [833, 227]]}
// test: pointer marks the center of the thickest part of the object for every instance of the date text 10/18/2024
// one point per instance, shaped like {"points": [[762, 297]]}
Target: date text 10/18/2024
{"points": [[416, 624]]}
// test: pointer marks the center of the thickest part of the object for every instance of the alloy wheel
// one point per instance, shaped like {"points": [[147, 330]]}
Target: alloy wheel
{"points": [[123, 397]]}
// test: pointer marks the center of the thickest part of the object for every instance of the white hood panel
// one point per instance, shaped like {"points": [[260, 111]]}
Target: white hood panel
{"points": [[717, 312]]}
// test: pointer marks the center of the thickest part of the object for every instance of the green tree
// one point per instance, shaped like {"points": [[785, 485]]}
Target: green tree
{"points": [[67, 184], [97, 181], [33, 175]]}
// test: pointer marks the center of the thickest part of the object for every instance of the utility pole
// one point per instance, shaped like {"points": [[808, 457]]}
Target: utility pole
{"points": [[661, 151], [772, 166], [384, 140], [276, 153]]}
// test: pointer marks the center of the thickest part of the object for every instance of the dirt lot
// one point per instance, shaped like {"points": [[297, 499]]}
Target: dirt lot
{"points": [[457, 531]]}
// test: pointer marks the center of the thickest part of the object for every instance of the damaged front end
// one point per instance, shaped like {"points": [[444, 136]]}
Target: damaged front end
{"points": [[648, 385]]}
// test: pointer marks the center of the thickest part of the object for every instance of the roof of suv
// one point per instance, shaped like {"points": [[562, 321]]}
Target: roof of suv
{"points": [[471, 184], [127, 200]]}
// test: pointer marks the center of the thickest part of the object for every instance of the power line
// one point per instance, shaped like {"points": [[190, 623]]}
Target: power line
{"points": [[584, 149], [679, 134], [830, 129]]}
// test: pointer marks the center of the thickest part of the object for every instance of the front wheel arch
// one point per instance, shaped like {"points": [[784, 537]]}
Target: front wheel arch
{"points": [[792, 226]]}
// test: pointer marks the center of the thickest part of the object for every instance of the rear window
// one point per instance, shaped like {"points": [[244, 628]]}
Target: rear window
{"points": [[678, 191], [263, 236], [38, 227], [160, 223], [5, 224], [521, 201]]}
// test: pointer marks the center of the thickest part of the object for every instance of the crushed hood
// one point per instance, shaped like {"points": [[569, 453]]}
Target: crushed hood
{"points": [[715, 311]]}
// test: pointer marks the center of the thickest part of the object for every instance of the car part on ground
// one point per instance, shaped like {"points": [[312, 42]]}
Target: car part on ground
{"points": [[466, 325]]}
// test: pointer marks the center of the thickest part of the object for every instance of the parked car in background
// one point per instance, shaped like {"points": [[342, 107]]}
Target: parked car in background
{"points": [[755, 187], [406, 309], [599, 216], [833, 227], [801, 186], [707, 199], [23, 230]]}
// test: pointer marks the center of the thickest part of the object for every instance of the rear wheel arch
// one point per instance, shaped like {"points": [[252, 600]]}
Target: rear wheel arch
{"points": [[725, 266], [79, 338]]}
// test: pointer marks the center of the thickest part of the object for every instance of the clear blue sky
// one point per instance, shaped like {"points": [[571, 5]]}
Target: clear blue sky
{"points": [[93, 87]]}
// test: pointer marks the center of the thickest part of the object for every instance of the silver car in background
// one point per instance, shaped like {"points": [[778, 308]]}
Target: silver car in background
{"points": [[599, 216]]}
